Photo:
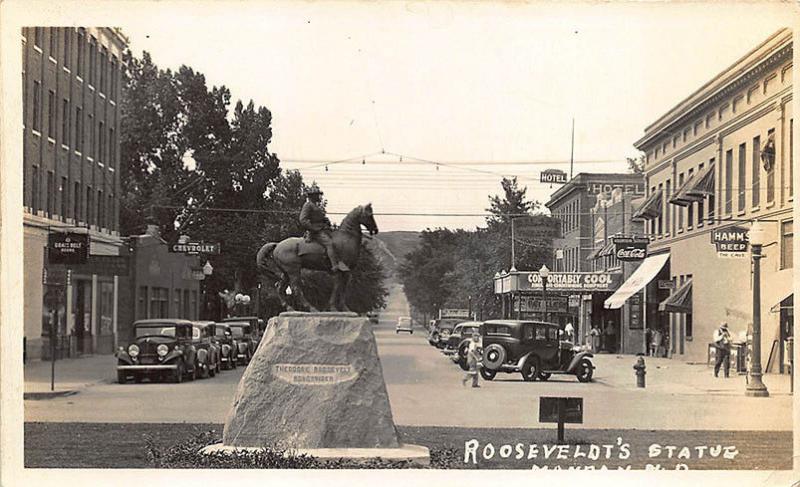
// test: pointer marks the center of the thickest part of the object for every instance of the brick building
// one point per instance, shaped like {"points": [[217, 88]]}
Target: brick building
{"points": [[71, 82]]}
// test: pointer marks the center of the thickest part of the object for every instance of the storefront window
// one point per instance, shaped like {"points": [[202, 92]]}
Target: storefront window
{"points": [[787, 237]]}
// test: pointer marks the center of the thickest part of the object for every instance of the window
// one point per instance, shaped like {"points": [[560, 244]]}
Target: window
{"points": [[667, 196], [771, 173], [101, 138], [700, 203], [186, 310], [661, 216], [141, 308], [100, 208], [656, 152], [177, 300], [756, 186], [112, 95], [90, 141], [742, 176], [65, 122], [50, 189], [76, 202], [37, 105], [728, 182], [159, 303], [24, 99], [194, 304], [89, 220], [92, 59], [78, 129], [791, 157], [787, 237], [81, 48], [492, 329], [51, 114], [52, 34], [103, 56], [712, 198], [112, 147], [64, 190], [690, 208], [35, 190], [679, 211], [689, 324], [37, 36], [67, 39], [110, 218]]}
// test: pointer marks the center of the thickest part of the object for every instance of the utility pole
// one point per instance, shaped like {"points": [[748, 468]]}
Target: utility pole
{"points": [[513, 252], [572, 149]]}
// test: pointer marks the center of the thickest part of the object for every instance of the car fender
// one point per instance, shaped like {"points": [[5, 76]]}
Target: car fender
{"points": [[577, 358], [524, 359], [124, 358], [172, 355]]}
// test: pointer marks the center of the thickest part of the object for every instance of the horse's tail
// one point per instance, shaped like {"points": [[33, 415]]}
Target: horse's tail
{"points": [[264, 260]]}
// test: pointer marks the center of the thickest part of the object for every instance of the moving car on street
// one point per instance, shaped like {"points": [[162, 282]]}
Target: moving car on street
{"points": [[458, 342], [533, 349], [242, 332], [406, 324], [229, 348], [159, 349]]}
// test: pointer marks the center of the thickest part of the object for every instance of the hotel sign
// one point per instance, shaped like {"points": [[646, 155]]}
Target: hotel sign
{"points": [[731, 241], [553, 176]]}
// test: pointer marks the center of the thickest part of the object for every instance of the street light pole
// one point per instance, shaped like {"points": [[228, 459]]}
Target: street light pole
{"points": [[755, 386], [543, 273]]}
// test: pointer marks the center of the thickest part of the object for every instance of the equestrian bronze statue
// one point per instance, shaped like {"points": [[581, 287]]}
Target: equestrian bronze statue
{"points": [[282, 261]]}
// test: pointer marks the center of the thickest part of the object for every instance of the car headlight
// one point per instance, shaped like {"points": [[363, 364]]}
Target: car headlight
{"points": [[162, 350], [133, 350], [226, 349]]}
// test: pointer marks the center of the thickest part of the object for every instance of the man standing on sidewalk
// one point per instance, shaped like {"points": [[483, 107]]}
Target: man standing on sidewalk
{"points": [[473, 357], [722, 341]]}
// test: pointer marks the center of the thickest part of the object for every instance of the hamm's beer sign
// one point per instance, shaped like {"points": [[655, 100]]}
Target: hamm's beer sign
{"points": [[731, 241], [630, 248]]}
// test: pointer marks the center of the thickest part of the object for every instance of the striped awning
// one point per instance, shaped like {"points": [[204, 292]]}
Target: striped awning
{"points": [[603, 251], [651, 208], [680, 301], [696, 188]]}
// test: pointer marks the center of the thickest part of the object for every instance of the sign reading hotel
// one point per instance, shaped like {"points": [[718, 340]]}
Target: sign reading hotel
{"points": [[731, 242], [195, 248], [313, 374], [553, 176], [573, 281]]}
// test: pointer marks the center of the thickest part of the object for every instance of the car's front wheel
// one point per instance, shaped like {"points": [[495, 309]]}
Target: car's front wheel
{"points": [[487, 374], [530, 370], [178, 374], [584, 371]]}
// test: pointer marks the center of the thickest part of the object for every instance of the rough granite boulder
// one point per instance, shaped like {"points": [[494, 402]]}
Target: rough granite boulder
{"points": [[314, 382]]}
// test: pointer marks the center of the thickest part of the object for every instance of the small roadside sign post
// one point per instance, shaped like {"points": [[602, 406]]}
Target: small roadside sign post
{"points": [[561, 410]]}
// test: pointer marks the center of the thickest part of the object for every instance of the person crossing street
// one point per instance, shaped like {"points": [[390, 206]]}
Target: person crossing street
{"points": [[473, 359]]}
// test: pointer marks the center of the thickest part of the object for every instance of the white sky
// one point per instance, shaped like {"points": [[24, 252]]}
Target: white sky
{"points": [[451, 82]]}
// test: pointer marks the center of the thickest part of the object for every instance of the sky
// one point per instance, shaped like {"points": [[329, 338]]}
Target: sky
{"points": [[484, 89]]}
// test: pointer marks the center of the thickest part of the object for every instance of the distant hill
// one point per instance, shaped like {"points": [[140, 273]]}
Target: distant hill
{"points": [[392, 247]]}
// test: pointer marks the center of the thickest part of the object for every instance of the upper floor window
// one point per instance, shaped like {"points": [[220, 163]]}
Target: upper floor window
{"points": [[67, 45], [81, 48], [37, 36], [756, 166], [728, 198], [742, 177], [37, 106], [53, 49], [787, 237], [768, 160]]}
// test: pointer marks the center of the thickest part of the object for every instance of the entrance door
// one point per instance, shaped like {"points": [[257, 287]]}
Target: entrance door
{"points": [[82, 308], [787, 328]]}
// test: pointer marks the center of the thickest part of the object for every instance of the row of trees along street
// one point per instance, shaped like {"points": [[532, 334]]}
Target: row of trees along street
{"points": [[455, 268], [185, 153]]}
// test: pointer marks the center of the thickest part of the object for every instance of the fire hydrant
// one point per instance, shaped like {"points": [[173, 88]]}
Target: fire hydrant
{"points": [[640, 372]]}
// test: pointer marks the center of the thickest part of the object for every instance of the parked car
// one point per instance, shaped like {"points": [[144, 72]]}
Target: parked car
{"points": [[243, 334], [404, 323], [458, 342], [533, 349], [257, 326], [229, 348], [442, 328], [207, 349], [160, 349]]}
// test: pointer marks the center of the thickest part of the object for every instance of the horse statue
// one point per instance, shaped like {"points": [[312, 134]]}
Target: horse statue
{"points": [[282, 261]]}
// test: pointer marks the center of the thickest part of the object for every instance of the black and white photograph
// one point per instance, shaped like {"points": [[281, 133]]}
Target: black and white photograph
{"points": [[293, 236]]}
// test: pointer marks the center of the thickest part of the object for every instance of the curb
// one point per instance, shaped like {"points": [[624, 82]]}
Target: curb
{"points": [[40, 396]]}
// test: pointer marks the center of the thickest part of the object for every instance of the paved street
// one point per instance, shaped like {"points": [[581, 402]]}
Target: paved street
{"points": [[425, 390]]}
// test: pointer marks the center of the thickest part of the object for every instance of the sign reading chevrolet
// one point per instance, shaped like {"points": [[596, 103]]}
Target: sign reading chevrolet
{"points": [[195, 248]]}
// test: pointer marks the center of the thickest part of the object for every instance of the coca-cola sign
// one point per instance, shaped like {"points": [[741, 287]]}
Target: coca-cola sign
{"points": [[629, 249]]}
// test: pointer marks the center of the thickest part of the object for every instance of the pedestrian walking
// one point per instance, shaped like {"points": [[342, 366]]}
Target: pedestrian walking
{"points": [[474, 353], [655, 343], [569, 331], [594, 339], [722, 342]]}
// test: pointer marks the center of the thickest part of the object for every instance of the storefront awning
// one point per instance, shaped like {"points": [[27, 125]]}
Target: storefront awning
{"points": [[680, 301], [696, 188], [784, 304], [648, 269], [603, 251], [651, 208]]}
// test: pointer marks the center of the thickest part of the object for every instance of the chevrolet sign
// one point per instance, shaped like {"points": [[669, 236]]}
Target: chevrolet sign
{"points": [[195, 248]]}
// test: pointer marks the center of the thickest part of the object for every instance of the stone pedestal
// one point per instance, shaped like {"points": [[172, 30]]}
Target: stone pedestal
{"points": [[315, 382]]}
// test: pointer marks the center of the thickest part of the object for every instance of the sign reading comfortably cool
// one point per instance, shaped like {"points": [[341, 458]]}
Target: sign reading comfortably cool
{"points": [[731, 241], [567, 281], [313, 374]]}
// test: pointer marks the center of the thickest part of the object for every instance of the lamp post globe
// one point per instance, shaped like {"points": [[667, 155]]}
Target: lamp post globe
{"points": [[544, 272], [208, 269]]}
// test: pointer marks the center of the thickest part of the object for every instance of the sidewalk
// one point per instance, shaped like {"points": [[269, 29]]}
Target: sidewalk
{"points": [[673, 376], [71, 374]]}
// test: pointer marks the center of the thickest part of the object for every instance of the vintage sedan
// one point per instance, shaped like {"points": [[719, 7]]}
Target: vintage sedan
{"points": [[533, 349], [209, 342], [229, 348], [458, 342], [243, 334], [442, 328], [159, 349], [257, 326]]}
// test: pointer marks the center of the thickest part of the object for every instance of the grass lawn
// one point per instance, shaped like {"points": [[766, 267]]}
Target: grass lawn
{"points": [[123, 445]]}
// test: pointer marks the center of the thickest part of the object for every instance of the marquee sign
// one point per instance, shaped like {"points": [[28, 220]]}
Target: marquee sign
{"points": [[630, 248], [731, 241]]}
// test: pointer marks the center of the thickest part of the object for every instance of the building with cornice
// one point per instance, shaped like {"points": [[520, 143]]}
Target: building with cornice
{"points": [[717, 161], [72, 85]]}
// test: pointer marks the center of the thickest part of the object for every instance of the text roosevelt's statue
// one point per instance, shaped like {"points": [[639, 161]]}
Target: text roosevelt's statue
{"points": [[333, 251]]}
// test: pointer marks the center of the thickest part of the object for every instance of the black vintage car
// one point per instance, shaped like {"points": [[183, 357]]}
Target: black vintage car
{"points": [[243, 334], [160, 349], [229, 347], [257, 325], [441, 330], [458, 342], [532, 348], [209, 343]]}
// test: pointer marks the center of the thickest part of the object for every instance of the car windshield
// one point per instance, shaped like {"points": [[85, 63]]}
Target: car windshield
{"points": [[161, 329], [220, 332], [240, 331]]}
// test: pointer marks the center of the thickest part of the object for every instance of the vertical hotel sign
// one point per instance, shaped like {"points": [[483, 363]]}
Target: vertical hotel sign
{"points": [[731, 242]]}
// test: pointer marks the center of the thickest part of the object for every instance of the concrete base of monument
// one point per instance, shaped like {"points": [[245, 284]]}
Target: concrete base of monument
{"points": [[415, 454]]}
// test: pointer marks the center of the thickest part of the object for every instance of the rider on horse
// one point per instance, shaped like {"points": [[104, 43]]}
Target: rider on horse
{"points": [[314, 220]]}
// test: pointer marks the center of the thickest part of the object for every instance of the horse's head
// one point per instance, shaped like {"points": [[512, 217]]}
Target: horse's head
{"points": [[367, 219]]}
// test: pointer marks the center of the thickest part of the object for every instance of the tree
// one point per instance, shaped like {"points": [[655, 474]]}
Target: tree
{"points": [[635, 166]]}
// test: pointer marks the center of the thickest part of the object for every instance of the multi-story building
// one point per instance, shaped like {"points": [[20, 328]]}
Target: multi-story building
{"points": [[71, 82], [721, 159], [592, 207]]}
